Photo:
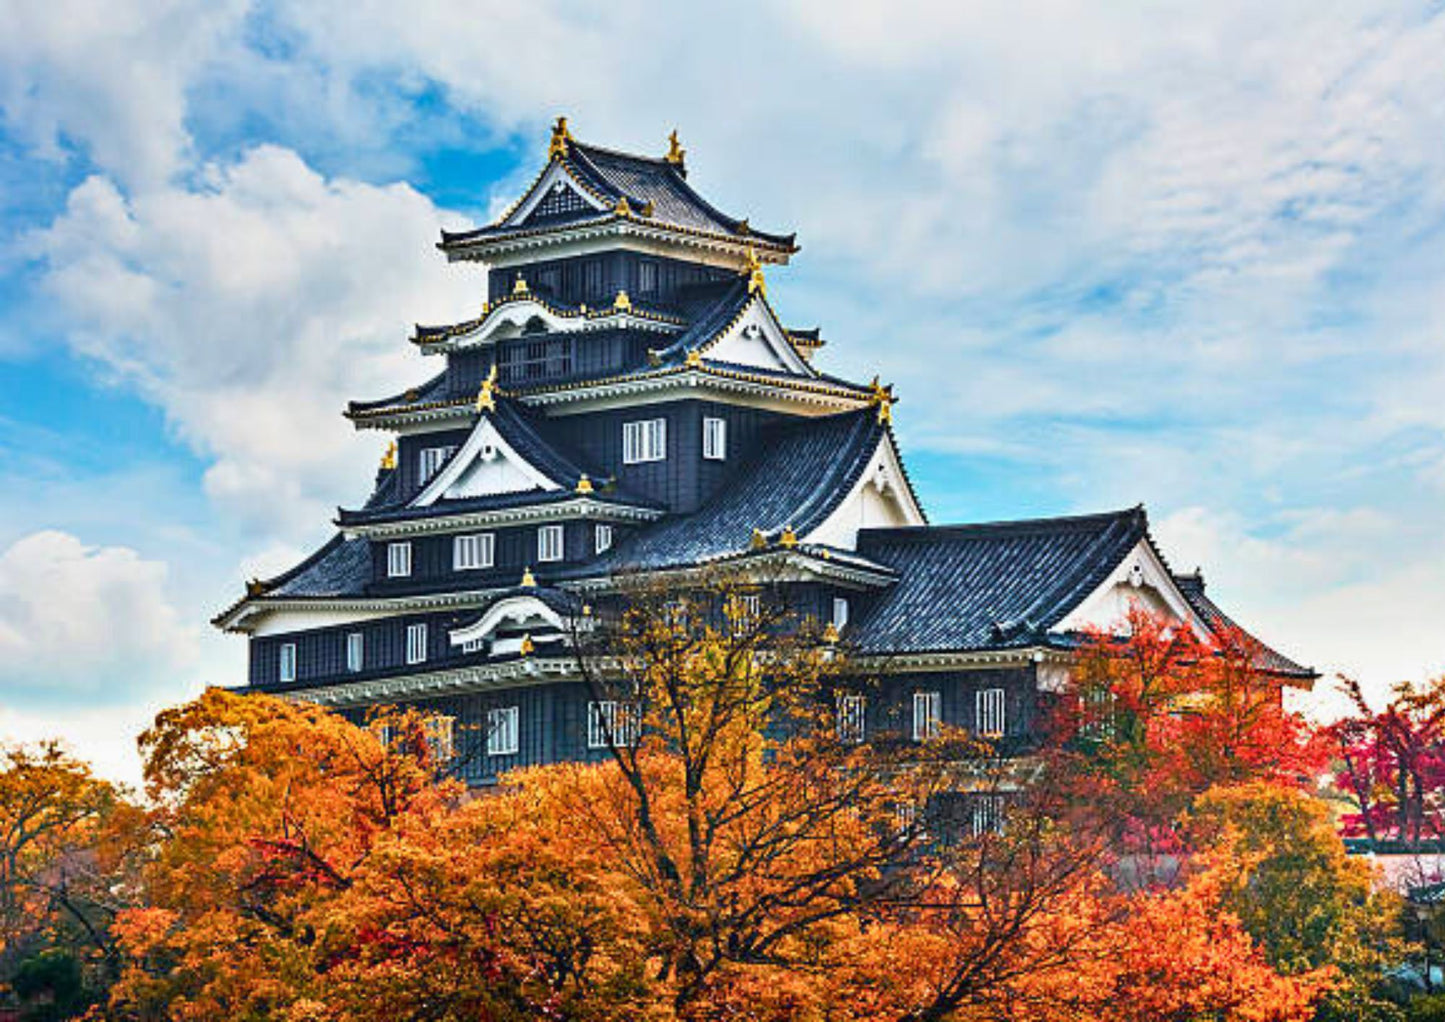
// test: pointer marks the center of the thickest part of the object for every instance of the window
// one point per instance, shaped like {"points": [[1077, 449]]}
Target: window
{"points": [[927, 709], [714, 438], [840, 612], [502, 731], [429, 459], [645, 440], [852, 718], [989, 711], [415, 643], [287, 665], [604, 538], [592, 278], [549, 543], [610, 718], [398, 560], [750, 608], [473, 551], [438, 732], [646, 276], [1098, 708], [987, 815], [355, 651]]}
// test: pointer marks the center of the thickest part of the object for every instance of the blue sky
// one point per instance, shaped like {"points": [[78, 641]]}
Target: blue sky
{"points": [[1186, 255]]}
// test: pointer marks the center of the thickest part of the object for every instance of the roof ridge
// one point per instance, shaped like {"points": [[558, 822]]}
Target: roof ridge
{"points": [[1015, 525]]}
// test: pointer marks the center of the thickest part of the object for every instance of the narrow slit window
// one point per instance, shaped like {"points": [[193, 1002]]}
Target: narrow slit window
{"points": [[355, 651], [604, 538], [502, 731], [927, 711], [398, 560], [415, 643], [287, 662], [549, 543], [990, 712], [852, 718], [714, 438]]}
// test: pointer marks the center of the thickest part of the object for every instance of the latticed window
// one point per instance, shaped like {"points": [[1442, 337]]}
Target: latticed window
{"points": [[398, 560], [549, 543], [502, 731], [852, 718], [611, 718], [439, 733], [986, 815], [714, 438], [473, 551], [535, 360], [430, 459], [647, 276], [415, 643], [990, 709], [604, 537], [644, 441], [927, 712]]}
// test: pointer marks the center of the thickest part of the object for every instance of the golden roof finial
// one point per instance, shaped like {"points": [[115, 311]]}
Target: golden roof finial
{"points": [[520, 287], [675, 152], [760, 540], [646, 210], [694, 358], [788, 538], [882, 397], [557, 149], [830, 633], [622, 303], [388, 458], [255, 587], [743, 227], [526, 648], [623, 207], [487, 393], [529, 581], [584, 485], [757, 284]]}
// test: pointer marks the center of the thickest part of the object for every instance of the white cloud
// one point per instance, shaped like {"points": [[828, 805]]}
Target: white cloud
{"points": [[251, 309], [86, 623], [109, 75]]}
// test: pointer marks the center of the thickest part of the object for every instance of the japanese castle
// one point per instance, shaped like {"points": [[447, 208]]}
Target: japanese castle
{"points": [[627, 400]]}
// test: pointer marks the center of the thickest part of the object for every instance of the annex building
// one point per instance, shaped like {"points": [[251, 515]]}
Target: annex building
{"points": [[628, 400]]}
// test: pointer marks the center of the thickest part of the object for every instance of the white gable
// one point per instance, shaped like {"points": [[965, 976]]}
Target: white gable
{"points": [[1140, 580], [880, 499], [486, 465], [757, 339], [555, 182], [515, 612]]}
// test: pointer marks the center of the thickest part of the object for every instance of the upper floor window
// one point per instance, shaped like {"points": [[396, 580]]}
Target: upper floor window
{"points": [[502, 731], [549, 543], [416, 643], [473, 551], [927, 711], [852, 718], [398, 560], [647, 276], [611, 723], [604, 537], [287, 662], [355, 651], [429, 459], [990, 710], [840, 612], [714, 438], [986, 815], [592, 278], [645, 440]]}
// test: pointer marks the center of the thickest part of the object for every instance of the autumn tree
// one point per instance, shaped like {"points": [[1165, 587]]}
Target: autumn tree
{"points": [[66, 840]]}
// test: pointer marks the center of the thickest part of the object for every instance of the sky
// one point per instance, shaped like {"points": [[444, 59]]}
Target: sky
{"points": [[1189, 255]]}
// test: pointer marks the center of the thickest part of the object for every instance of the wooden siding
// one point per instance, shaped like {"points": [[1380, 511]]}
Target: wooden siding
{"points": [[596, 279]]}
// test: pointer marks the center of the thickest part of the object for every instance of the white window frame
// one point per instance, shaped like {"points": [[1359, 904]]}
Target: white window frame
{"points": [[416, 643], [473, 551], [430, 459], [986, 815], [355, 651], [644, 440], [852, 718], [551, 542], [503, 732], [840, 612], [602, 537], [927, 713], [398, 559], [609, 715], [714, 438], [286, 662], [990, 712]]}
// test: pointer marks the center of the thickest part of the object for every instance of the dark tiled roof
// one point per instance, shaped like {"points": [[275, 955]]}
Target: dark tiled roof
{"points": [[340, 568], [801, 473], [644, 182], [559, 600], [991, 586], [496, 502], [1266, 659], [434, 389], [708, 318]]}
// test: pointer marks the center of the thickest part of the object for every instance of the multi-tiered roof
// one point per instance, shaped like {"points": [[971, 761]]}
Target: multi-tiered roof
{"points": [[627, 399]]}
